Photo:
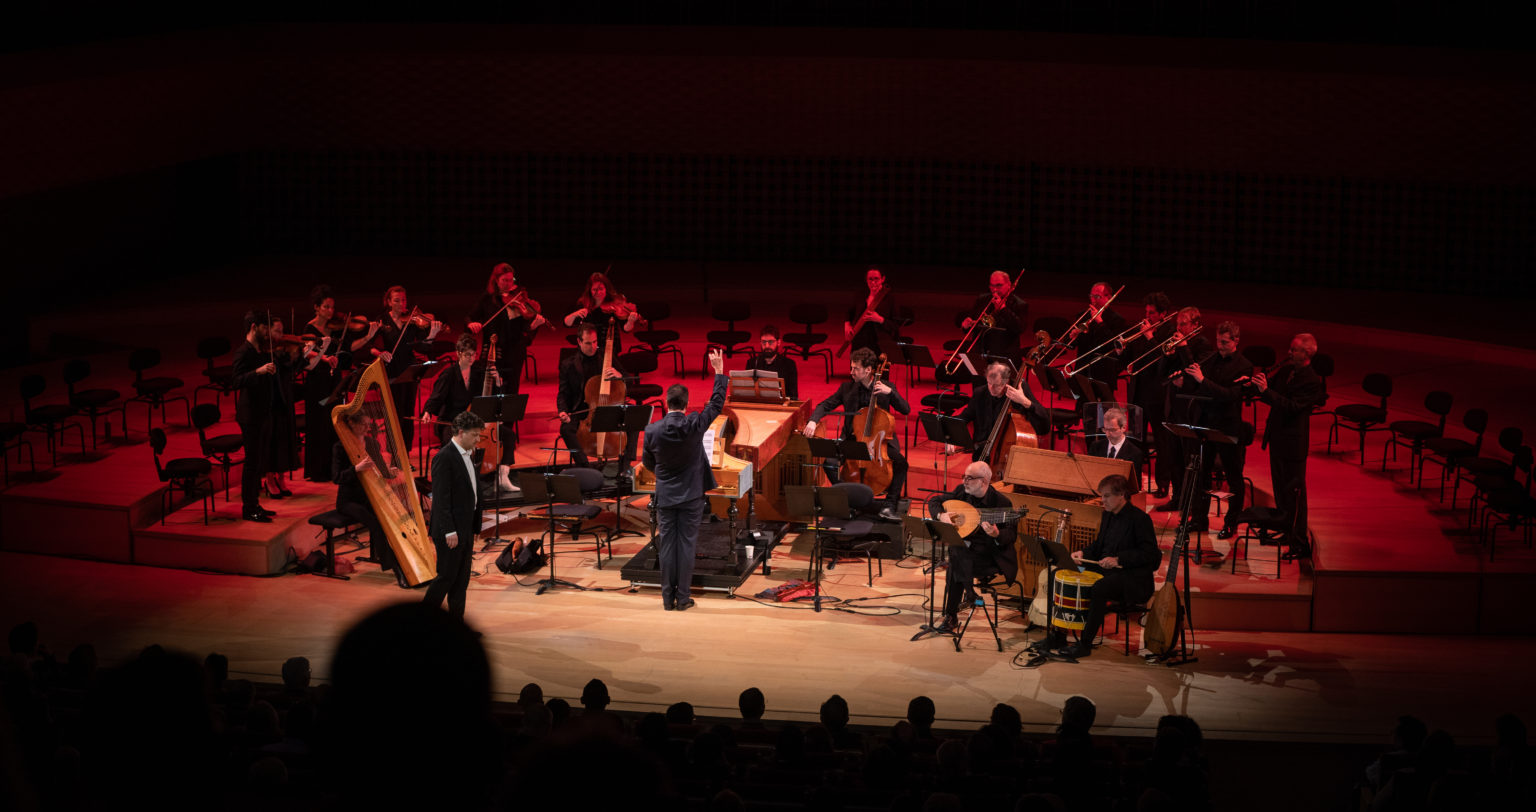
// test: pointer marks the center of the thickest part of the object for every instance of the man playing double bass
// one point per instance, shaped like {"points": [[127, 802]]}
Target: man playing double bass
{"points": [[1125, 551], [988, 400], [571, 400], [854, 394], [988, 548]]}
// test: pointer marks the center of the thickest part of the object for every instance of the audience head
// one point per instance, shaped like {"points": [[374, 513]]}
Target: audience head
{"points": [[1077, 714], [296, 673], [680, 713], [752, 704], [594, 697], [921, 713], [834, 713]]}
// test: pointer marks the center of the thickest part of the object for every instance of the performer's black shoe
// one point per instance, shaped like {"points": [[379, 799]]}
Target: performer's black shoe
{"points": [[667, 604], [948, 625], [1170, 506], [1077, 651], [686, 604], [1160, 493], [1226, 533], [267, 512], [256, 516], [1055, 640], [889, 514]]}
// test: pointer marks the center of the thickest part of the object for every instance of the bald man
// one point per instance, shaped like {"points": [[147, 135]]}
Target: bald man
{"points": [[988, 548]]}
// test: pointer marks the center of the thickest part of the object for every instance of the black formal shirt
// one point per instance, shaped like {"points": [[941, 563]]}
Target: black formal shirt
{"points": [[1110, 325], [1008, 323], [1128, 536], [851, 397], [786, 369], [1292, 394], [575, 371], [982, 411], [1000, 548], [1223, 410]]}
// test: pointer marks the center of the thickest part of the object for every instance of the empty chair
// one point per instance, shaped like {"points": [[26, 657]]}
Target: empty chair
{"points": [[219, 376], [1508, 502], [956, 398], [805, 344], [190, 475], [1444, 451], [220, 449], [53, 419], [636, 363], [1469, 468], [660, 341], [92, 403], [731, 340], [11, 437], [153, 392], [850, 535], [1363, 418], [1413, 434], [573, 517]]}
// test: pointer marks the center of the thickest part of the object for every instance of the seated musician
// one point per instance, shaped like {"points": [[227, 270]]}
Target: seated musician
{"points": [[769, 359], [988, 548], [1126, 552], [855, 394], [987, 401], [877, 309], [452, 392], [600, 305], [351, 499], [571, 401], [1116, 445], [1010, 314]]}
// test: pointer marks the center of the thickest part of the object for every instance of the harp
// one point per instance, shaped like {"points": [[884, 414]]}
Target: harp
{"points": [[394, 500]]}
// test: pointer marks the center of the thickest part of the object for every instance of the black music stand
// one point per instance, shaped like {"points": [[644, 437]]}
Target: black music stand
{"points": [[498, 409], [630, 419], [1195, 439], [414, 375], [841, 451], [1054, 381], [950, 431], [1056, 556], [941, 535], [547, 488], [913, 356], [816, 504]]}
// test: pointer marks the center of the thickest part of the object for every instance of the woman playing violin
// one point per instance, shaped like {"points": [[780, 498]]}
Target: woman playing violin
{"points": [[599, 306], [400, 331], [507, 311]]}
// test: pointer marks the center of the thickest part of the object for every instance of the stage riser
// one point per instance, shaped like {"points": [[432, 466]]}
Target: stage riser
{"points": [[219, 555], [1246, 612], [68, 530], [1505, 604], [1398, 603]]}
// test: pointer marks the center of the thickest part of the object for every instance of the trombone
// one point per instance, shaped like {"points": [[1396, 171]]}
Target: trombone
{"points": [[1080, 325], [1120, 341], [972, 337], [1165, 347]]}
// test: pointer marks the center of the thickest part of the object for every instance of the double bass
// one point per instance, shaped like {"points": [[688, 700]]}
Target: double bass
{"points": [[1008, 430], [601, 391], [490, 439], [872, 426]]}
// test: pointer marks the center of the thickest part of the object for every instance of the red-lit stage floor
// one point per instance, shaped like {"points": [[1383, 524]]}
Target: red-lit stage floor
{"points": [[1389, 559]]}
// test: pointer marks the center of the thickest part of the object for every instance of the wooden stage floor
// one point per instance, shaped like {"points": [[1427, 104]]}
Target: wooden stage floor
{"points": [[1389, 559]]}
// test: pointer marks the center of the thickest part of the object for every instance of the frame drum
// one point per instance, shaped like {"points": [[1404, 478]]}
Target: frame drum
{"points": [[1070, 593]]}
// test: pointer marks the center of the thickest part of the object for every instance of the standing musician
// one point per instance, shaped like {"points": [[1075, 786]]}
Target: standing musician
{"points": [[1294, 391], [397, 333], [855, 394], [1010, 315], [290, 354], [877, 308], [1220, 377], [599, 305], [1116, 445], [988, 399], [769, 359], [455, 513], [571, 400], [1100, 331], [988, 548], [506, 311], [1187, 347], [323, 365], [351, 499], [674, 449], [452, 392], [255, 374], [1126, 552], [1148, 390]]}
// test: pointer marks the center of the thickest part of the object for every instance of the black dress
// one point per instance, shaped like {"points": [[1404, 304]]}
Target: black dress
{"points": [[319, 382]]}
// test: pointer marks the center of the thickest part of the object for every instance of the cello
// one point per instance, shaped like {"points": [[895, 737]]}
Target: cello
{"points": [[602, 391], [490, 439], [1008, 430], [872, 426]]}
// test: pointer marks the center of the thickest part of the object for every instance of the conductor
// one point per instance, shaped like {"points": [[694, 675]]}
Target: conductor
{"points": [[674, 449]]}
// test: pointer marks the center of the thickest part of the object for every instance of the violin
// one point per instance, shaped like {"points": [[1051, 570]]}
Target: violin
{"points": [[524, 304], [619, 308]]}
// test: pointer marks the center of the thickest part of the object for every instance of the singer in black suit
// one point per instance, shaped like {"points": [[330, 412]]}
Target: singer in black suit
{"points": [[1116, 445], [1292, 393], [455, 513], [674, 450]]}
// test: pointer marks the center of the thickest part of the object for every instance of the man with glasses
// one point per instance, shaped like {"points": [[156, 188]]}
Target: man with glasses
{"points": [[770, 359], [988, 548]]}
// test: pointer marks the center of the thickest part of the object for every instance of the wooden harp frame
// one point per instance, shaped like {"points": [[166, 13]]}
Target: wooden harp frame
{"points": [[397, 505]]}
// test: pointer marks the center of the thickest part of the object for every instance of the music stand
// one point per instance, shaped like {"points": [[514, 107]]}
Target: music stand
{"points": [[817, 503], [498, 409], [755, 386], [943, 536], [1195, 438], [630, 419], [547, 488], [947, 430], [914, 356], [1054, 381], [1056, 556], [841, 451]]}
